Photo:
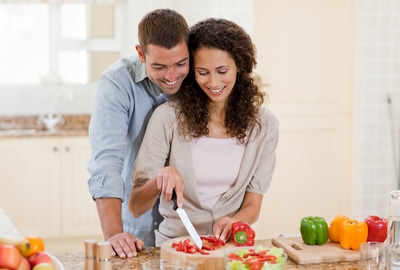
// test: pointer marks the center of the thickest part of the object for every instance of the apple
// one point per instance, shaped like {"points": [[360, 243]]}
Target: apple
{"points": [[39, 258], [24, 265], [44, 266], [9, 256]]}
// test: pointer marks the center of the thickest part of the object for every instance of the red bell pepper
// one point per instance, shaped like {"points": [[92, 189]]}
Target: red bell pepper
{"points": [[212, 239], [243, 234], [377, 228]]}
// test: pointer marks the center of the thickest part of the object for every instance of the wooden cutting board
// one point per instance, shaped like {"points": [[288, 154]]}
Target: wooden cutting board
{"points": [[301, 253], [214, 260]]}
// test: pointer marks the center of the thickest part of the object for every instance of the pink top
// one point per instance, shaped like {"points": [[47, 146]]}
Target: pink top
{"points": [[216, 164]]}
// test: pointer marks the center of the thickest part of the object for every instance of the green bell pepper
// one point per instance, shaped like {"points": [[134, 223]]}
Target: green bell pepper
{"points": [[314, 230]]}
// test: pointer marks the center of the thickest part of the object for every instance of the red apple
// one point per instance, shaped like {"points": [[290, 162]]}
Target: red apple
{"points": [[9, 257], [24, 265], [38, 258], [44, 266]]}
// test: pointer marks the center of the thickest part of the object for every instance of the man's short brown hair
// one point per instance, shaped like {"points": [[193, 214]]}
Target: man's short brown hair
{"points": [[162, 27]]}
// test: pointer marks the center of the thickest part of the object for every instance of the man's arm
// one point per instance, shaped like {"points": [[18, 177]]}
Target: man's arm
{"points": [[124, 244]]}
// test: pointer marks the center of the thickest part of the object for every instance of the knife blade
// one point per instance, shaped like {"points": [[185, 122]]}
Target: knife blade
{"points": [[186, 221]]}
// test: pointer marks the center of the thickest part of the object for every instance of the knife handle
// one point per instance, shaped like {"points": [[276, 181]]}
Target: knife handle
{"points": [[174, 199]]}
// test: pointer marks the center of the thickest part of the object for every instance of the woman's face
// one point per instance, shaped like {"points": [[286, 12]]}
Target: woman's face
{"points": [[215, 72]]}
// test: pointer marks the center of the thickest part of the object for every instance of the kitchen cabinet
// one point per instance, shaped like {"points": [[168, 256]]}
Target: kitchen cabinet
{"points": [[43, 186], [306, 58]]}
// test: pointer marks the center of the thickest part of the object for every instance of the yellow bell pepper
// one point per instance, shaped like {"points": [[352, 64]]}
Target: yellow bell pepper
{"points": [[353, 233], [334, 228]]}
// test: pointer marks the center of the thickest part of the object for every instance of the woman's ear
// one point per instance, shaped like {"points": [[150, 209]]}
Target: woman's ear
{"points": [[140, 53]]}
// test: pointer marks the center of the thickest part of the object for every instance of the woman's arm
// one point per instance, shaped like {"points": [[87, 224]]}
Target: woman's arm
{"points": [[142, 198], [249, 212]]}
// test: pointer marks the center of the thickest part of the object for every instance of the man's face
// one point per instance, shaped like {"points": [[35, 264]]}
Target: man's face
{"points": [[166, 68]]}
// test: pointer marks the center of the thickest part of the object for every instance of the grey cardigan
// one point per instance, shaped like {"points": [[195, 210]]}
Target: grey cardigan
{"points": [[163, 146]]}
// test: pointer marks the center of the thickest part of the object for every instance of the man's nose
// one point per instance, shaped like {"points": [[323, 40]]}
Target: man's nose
{"points": [[171, 74]]}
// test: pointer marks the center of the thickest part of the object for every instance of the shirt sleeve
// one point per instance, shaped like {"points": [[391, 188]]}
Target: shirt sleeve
{"points": [[263, 174], [108, 130], [155, 148]]}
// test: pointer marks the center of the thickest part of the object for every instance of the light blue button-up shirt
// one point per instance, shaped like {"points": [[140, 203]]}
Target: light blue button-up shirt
{"points": [[125, 100]]}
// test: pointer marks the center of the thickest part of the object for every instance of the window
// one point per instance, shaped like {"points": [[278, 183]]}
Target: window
{"points": [[60, 42]]}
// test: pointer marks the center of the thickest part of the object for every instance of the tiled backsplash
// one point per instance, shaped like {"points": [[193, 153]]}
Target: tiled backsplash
{"points": [[377, 104]]}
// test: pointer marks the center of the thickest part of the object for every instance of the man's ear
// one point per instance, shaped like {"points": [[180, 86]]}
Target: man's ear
{"points": [[140, 53]]}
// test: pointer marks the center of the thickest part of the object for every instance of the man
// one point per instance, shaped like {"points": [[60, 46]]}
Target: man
{"points": [[127, 93]]}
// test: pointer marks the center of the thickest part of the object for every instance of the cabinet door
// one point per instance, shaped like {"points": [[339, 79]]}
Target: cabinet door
{"points": [[305, 59], [30, 184], [79, 215]]}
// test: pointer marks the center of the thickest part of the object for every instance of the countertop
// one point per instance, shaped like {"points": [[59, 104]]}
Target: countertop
{"points": [[75, 261], [30, 127]]}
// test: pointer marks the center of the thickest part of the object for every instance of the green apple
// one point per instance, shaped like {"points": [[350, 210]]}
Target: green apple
{"points": [[44, 266]]}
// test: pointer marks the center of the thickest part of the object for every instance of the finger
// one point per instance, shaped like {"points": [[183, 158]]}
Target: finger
{"points": [[124, 245], [225, 235], [129, 248], [139, 244], [116, 247]]}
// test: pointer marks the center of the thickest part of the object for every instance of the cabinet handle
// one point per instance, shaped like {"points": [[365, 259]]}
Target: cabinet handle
{"points": [[66, 149], [55, 149]]}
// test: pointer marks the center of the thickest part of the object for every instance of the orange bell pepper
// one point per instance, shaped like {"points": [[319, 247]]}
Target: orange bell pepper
{"points": [[353, 233], [334, 228]]}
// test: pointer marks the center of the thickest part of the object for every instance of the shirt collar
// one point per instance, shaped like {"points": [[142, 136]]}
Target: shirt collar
{"points": [[153, 89]]}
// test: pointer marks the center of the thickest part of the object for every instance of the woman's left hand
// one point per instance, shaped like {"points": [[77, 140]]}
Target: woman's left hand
{"points": [[223, 228]]}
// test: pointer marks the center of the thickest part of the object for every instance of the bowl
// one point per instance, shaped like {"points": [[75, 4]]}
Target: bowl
{"points": [[57, 264], [158, 264], [257, 257]]}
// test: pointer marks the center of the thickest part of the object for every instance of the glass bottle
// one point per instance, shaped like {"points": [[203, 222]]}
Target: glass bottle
{"points": [[393, 235]]}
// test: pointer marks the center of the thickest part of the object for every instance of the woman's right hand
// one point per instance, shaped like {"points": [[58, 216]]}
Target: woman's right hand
{"points": [[168, 179]]}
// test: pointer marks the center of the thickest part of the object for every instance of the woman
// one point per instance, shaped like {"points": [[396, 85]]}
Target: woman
{"points": [[212, 142]]}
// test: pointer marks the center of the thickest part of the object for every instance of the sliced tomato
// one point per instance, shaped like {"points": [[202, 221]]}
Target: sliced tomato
{"points": [[256, 266]]}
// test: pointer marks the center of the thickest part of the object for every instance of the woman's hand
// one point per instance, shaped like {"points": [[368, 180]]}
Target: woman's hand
{"points": [[169, 178], [223, 228]]}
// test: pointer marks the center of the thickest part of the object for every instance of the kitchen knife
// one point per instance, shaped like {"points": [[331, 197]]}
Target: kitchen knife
{"points": [[186, 221]]}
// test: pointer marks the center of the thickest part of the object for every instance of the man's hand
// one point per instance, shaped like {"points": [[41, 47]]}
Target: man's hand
{"points": [[125, 245]]}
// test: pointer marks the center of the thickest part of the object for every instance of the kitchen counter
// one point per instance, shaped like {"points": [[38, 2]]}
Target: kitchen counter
{"points": [[29, 127], [76, 260]]}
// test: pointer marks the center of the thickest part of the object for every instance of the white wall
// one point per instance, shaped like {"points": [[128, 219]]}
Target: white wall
{"points": [[377, 122]]}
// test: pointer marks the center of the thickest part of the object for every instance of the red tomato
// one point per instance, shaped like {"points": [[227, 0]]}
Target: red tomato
{"points": [[256, 266], [9, 257]]}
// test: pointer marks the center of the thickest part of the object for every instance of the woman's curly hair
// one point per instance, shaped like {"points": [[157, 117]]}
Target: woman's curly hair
{"points": [[242, 112]]}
